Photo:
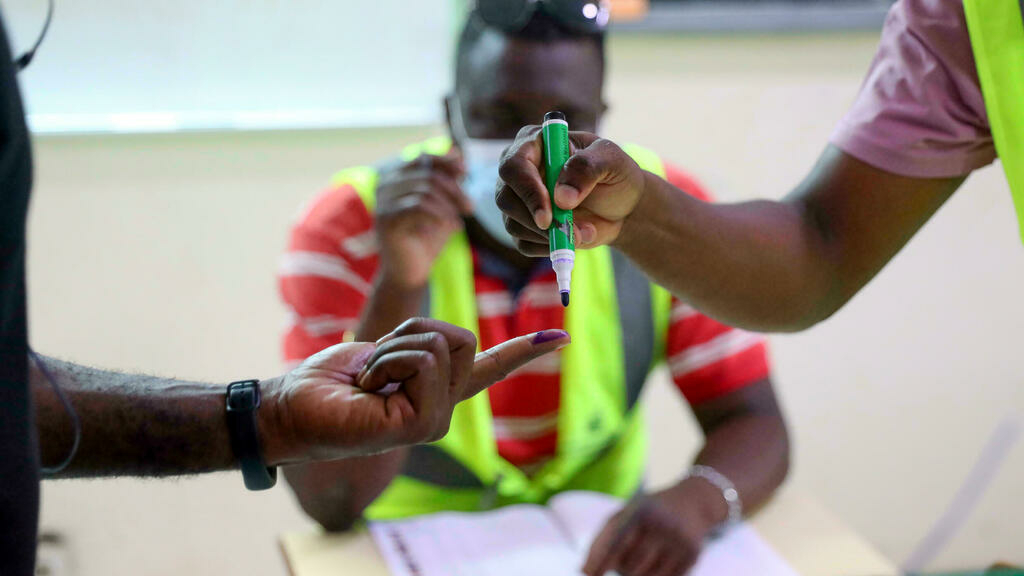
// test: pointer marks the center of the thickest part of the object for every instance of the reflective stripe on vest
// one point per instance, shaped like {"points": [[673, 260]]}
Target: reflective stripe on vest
{"points": [[997, 39], [604, 454], [633, 292]]}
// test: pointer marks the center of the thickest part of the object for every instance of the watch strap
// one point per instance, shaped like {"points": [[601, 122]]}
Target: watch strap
{"points": [[243, 400]]}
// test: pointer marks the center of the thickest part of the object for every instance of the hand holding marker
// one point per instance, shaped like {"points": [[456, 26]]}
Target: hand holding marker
{"points": [[555, 134]]}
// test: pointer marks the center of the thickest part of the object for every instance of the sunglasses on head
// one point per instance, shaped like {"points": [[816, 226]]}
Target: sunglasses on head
{"points": [[589, 16]]}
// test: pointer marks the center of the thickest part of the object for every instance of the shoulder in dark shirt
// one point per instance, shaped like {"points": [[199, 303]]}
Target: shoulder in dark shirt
{"points": [[19, 476]]}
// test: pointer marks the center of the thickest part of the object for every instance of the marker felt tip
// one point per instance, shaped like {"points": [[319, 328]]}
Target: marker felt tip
{"points": [[555, 134]]}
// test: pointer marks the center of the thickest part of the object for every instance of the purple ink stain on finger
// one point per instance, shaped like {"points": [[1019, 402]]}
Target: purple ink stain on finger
{"points": [[548, 335]]}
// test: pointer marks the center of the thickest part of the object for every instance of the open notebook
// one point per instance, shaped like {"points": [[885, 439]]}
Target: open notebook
{"points": [[550, 540]]}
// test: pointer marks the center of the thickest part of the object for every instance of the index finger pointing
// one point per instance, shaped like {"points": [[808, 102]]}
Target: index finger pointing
{"points": [[494, 364]]}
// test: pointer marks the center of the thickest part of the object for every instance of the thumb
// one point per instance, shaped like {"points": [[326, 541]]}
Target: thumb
{"points": [[348, 358], [596, 161], [494, 364]]}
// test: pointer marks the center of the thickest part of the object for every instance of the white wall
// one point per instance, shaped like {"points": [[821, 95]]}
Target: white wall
{"points": [[892, 398], [158, 253], [165, 64]]}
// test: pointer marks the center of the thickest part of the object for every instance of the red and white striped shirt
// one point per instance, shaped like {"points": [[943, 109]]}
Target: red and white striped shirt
{"points": [[327, 273]]}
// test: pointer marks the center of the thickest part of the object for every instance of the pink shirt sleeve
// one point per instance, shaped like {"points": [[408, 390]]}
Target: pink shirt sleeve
{"points": [[920, 111]]}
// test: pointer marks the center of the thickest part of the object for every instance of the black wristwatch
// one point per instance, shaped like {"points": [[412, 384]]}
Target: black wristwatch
{"points": [[242, 403]]}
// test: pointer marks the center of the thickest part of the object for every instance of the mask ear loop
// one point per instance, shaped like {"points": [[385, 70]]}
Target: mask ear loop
{"points": [[22, 62]]}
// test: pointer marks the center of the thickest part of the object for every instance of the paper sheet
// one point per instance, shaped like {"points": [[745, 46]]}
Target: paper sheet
{"points": [[741, 552], [584, 514], [536, 541], [512, 541]]}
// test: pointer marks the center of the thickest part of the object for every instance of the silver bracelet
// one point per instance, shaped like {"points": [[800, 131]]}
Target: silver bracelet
{"points": [[729, 493]]}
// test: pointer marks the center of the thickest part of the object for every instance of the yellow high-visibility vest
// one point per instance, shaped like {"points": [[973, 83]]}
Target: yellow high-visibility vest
{"points": [[618, 321], [997, 39]]}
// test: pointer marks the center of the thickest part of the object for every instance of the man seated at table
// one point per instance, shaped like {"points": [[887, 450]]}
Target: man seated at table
{"points": [[420, 234]]}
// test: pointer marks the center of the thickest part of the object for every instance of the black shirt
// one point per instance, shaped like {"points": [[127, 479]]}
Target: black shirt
{"points": [[19, 470]]}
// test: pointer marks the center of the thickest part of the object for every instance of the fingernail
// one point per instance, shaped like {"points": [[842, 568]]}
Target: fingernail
{"points": [[566, 195], [587, 233], [540, 218], [364, 359], [548, 335]]}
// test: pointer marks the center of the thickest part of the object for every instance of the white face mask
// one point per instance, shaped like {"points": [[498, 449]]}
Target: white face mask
{"points": [[482, 158]]}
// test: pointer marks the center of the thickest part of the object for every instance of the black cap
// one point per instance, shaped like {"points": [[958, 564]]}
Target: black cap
{"points": [[554, 115]]}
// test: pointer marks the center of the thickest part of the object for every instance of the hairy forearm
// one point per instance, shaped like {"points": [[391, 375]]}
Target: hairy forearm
{"points": [[388, 306], [130, 424], [760, 265], [335, 494]]}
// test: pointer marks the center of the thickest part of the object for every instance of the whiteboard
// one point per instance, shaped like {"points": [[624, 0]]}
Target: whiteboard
{"points": [[161, 65]]}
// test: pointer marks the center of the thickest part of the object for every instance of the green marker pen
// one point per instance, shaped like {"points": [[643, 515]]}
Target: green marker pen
{"points": [[555, 133]]}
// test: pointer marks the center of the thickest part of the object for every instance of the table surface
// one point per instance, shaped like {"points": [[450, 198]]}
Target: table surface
{"points": [[813, 540]]}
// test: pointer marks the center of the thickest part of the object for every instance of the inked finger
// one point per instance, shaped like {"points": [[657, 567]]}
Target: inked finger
{"points": [[496, 363]]}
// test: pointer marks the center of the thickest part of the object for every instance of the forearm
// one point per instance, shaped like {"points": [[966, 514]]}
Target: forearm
{"points": [[752, 451], [759, 265], [130, 424], [335, 494], [388, 306], [781, 266], [746, 441]]}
